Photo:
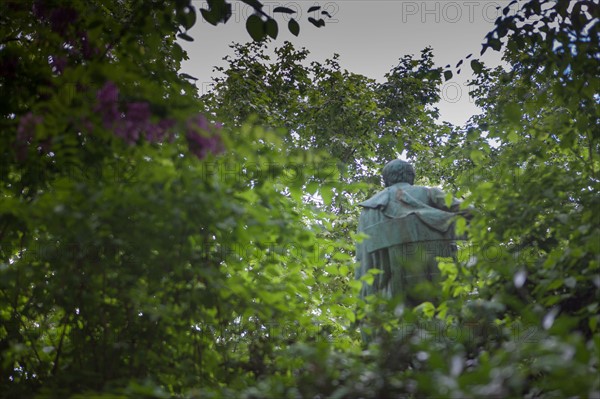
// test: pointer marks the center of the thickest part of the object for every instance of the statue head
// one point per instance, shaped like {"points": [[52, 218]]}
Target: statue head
{"points": [[398, 171]]}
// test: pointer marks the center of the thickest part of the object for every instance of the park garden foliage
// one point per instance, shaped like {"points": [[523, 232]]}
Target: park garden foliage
{"points": [[158, 243]]}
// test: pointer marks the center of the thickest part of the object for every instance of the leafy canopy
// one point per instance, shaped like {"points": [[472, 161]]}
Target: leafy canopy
{"points": [[158, 244]]}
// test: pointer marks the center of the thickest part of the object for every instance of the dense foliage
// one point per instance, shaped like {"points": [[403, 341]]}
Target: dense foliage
{"points": [[158, 244]]}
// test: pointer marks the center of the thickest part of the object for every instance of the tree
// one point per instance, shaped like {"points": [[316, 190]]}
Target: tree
{"points": [[526, 290], [130, 262], [149, 251], [359, 123], [545, 159], [321, 104]]}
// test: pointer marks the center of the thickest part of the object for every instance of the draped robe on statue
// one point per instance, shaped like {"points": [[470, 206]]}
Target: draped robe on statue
{"points": [[407, 227]]}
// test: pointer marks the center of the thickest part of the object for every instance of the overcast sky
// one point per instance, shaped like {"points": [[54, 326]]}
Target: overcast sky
{"points": [[370, 37]]}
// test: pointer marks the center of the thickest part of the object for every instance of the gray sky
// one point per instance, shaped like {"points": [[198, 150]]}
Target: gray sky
{"points": [[370, 37]]}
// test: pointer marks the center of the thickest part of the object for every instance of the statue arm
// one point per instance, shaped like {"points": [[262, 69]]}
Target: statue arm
{"points": [[438, 199]]}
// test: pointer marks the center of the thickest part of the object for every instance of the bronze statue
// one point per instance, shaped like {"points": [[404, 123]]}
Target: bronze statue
{"points": [[408, 227]]}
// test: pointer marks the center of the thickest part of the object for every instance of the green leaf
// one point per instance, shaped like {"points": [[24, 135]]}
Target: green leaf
{"points": [[476, 66], [448, 199], [294, 27], [187, 19], [316, 23], [210, 16], [368, 278], [186, 76], [327, 196], [477, 156], [513, 136], [256, 27], [271, 28], [186, 37], [284, 10], [312, 187], [447, 75], [355, 284], [512, 112], [427, 308], [494, 43]]}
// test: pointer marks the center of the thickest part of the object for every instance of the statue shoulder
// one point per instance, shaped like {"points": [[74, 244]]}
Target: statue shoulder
{"points": [[379, 200]]}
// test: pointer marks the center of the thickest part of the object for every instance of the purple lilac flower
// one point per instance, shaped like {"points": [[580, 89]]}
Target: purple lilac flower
{"points": [[107, 105], [197, 122], [199, 145], [200, 139], [138, 112], [109, 93], [136, 121], [156, 132]]}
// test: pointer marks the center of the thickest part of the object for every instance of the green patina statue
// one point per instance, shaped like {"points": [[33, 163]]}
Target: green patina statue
{"points": [[408, 227]]}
